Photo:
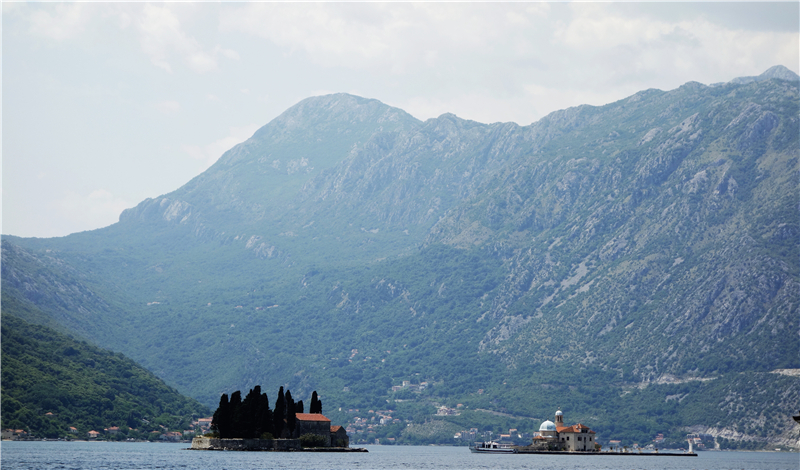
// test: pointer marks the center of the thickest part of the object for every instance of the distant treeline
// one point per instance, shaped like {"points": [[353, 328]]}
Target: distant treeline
{"points": [[252, 417]]}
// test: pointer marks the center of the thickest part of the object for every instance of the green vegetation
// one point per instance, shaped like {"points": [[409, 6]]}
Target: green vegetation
{"points": [[52, 383], [312, 440]]}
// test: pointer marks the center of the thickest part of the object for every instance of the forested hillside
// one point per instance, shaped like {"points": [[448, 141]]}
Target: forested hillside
{"points": [[52, 383], [637, 261]]}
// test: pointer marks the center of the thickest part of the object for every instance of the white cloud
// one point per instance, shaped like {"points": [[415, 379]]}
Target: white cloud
{"points": [[161, 36], [594, 28], [61, 21], [621, 49], [394, 36], [207, 154]]}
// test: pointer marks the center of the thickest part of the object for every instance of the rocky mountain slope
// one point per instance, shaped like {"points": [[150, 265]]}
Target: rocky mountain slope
{"points": [[347, 246]]}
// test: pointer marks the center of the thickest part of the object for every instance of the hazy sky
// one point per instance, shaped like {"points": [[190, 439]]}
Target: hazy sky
{"points": [[106, 104]]}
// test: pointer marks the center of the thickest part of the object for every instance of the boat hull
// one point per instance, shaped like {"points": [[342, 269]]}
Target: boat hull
{"points": [[492, 448]]}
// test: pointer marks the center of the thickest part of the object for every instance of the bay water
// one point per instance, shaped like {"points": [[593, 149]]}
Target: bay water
{"points": [[39, 455]]}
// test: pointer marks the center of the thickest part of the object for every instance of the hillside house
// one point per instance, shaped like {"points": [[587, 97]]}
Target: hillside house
{"points": [[14, 434]]}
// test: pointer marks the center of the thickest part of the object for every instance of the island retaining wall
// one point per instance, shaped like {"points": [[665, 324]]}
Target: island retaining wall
{"points": [[210, 443]]}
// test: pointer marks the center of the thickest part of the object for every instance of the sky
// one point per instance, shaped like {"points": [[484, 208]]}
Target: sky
{"points": [[107, 104]]}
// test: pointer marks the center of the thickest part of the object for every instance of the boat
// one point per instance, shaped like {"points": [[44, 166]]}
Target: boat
{"points": [[492, 447]]}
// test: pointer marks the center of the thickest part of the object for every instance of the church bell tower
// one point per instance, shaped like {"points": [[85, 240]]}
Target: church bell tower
{"points": [[559, 419]]}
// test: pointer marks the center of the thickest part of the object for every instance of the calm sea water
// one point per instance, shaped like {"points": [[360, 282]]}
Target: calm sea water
{"points": [[124, 456]]}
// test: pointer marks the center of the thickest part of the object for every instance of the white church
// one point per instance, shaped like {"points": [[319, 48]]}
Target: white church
{"points": [[556, 436]]}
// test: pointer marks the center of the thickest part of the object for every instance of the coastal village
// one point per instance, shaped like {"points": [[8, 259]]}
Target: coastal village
{"points": [[363, 427], [115, 433]]}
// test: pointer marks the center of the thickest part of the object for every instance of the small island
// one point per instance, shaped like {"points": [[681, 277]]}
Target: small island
{"points": [[556, 438], [249, 424]]}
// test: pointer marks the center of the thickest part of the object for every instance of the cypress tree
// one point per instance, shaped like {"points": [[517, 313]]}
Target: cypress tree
{"points": [[236, 415], [298, 407], [221, 420], [316, 405], [278, 415], [249, 416], [264, 418], [291, 417]]}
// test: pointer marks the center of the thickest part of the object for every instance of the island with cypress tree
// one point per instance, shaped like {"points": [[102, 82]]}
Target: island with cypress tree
{"points": [[250, 424]]}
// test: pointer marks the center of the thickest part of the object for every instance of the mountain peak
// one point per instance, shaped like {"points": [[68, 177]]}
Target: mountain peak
{"points": [[776, 71], [321, 118], [779, 71], [345, 107]]}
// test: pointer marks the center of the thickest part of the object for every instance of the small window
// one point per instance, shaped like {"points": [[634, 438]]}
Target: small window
{"points": [[567, 437], [579, 438]]}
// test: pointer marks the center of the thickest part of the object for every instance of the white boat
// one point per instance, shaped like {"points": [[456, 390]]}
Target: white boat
{"points": [[492, 447]]}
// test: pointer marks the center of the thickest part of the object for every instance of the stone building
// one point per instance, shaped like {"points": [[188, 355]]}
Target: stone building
{"points": [[339, 437], [317, 423], [313, 423]]}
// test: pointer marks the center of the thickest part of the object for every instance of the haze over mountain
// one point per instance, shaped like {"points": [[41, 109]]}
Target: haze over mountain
{"points": [[637, 256]]}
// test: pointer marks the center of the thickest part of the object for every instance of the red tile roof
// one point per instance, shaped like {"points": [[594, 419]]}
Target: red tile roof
{"points": [[335, 428], [575, 428], [312, 417]]}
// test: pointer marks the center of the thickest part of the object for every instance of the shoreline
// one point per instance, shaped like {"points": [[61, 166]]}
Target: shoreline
{"points": [[793, 451], [310, 449], [642, 454]]}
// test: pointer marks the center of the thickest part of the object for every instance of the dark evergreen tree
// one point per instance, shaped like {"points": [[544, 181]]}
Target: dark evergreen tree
{"points": [[221, 420], [249, 417], [279, 414], [264, 418], [316, 405], [235, 414], [298, 407], [291, 416]]}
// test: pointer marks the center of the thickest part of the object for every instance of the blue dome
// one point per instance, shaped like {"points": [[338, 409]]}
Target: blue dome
{"points": [[547, 426]]}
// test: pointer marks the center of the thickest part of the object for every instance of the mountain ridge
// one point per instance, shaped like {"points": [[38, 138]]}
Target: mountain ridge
{"points": [[619, 244]]}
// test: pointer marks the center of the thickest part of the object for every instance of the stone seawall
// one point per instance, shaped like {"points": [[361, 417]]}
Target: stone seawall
{"points": [[280, 445]]}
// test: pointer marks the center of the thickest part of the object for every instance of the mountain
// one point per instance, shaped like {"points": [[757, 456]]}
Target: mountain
{"points": [[52, 382], [777, 71], [636, 260]]}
